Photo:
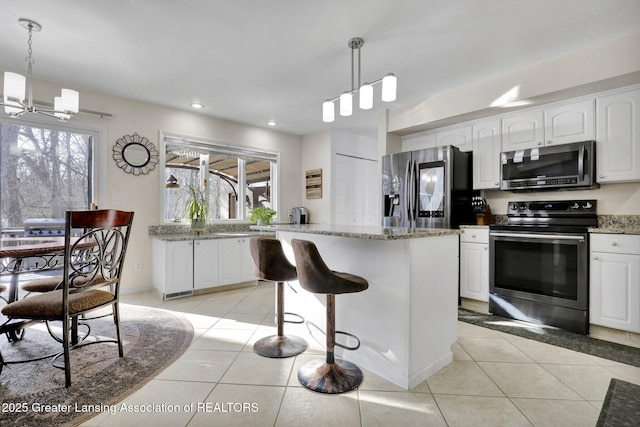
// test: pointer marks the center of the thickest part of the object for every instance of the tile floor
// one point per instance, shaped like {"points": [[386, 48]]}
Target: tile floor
{"points": [[496, 379]]}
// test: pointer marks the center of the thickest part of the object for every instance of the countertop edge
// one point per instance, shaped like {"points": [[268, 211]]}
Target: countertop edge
{"points": [[374, 233], [210, 236]]}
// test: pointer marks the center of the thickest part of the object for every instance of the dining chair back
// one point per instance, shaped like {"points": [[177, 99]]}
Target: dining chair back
{"points": [[93, 264]]}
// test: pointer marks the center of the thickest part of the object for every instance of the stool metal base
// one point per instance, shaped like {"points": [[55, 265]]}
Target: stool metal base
{"points": [[331, 378], [277, 346]]}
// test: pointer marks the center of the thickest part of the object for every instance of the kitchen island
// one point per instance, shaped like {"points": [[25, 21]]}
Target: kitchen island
{"points": [[407, 318]]}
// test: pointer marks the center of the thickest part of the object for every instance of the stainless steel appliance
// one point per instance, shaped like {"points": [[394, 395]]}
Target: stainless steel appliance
{"points": [[550, 167], [44, 227], [300, 215], [427, 188], [539, 263]]}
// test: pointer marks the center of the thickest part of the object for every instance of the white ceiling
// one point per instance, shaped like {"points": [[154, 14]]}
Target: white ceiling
{"points": [[255, 60]]}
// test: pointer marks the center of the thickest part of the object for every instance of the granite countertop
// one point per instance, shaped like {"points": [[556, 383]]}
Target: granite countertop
{"points": [[172, 233], [615, 230], [362, 232]]}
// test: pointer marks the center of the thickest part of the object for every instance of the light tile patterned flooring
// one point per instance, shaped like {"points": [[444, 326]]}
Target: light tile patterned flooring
{"points": [[496, 379]]}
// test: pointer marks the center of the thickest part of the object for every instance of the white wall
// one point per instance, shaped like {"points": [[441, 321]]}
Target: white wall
{"points": [[141, 193], [316, 154]]}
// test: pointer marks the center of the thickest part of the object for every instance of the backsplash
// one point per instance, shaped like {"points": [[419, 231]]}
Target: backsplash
{"points": [[619, 221]]}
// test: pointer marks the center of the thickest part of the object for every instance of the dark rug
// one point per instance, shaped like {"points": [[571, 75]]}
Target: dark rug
{"points": [[33, 394], [554, 336], [621, 406]]}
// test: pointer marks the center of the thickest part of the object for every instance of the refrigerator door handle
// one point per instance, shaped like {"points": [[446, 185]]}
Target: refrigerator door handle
{"points": [[412, 196], [407, 186]]}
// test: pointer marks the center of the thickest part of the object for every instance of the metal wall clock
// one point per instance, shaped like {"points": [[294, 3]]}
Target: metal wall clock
{"points": [[135, 154]]}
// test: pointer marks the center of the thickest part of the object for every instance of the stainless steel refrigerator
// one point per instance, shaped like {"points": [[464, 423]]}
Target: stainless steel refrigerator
{"points": [[428, 188]]}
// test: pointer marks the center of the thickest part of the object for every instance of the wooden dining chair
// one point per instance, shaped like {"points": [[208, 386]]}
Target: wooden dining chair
{"points": [[93, 266]]}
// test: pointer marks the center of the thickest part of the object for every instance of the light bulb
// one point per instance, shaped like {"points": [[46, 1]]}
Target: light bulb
{"points": [[328, 113], [346, 104], [389, 86], [14, 87], [366, 96]]}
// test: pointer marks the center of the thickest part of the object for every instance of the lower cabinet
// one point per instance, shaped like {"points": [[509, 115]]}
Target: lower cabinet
{"points": [[615, 281], [180, 267], [474, 264]]}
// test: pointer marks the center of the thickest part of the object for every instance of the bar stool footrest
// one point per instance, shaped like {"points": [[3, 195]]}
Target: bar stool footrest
{"points": [[349, 335], [300, 320]]}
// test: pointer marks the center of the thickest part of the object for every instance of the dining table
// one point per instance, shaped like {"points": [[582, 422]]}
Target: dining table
{"points": [[20, 255]]}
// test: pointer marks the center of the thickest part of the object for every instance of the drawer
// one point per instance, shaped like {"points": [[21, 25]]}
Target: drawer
{"points": [[475, 235], [616, 243]]}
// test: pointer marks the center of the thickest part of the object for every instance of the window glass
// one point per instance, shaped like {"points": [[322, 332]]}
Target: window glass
{"points": [[233, 180], [44, 171]]}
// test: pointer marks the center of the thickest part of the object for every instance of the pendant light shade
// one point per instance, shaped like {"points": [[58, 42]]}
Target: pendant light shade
{"points": [[389, 87], [346, 104], [14, 88], [328, 111], [366, 96], [365, 91]]}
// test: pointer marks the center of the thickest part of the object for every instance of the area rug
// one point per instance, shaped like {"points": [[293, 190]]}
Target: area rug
{"points": [[621, 406], [554, 336], [34, 393]]}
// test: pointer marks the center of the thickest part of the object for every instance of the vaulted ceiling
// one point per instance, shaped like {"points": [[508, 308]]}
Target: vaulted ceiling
{"points": [[253, 60]]}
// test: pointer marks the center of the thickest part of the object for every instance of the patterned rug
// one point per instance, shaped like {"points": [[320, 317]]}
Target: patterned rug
{"points": [[621, 406], [33, 394]]}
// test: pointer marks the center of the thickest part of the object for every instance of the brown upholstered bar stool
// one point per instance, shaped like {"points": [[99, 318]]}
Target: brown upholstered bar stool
{"points": [[330, 375], [271, 264]]}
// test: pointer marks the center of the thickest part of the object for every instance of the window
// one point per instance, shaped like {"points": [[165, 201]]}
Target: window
{"points": [[234, 180], [45, 170]]}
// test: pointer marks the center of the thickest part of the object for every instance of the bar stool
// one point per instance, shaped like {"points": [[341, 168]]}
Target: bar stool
{"points": [[271, 264], [330, 375]]}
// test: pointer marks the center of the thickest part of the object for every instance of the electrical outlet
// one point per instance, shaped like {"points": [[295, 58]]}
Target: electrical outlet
{"points": [[137, 266]]}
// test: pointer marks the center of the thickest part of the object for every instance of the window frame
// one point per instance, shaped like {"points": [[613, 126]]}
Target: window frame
{"points": [[100, 147], [221, 145]]}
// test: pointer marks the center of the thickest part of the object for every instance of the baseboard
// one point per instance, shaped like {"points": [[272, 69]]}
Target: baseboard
{"points": [[630, 339], [225, 288], [475, 305]]}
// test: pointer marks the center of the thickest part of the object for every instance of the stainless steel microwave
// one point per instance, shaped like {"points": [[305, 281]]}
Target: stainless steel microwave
{"points": [[563, 166]]}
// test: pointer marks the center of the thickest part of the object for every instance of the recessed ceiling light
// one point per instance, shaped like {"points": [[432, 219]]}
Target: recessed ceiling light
{"points": [[272, 123], [196, 105]]}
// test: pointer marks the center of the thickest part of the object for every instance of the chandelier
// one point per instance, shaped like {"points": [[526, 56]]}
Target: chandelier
{"points": [[365, 91], [16, 85]]}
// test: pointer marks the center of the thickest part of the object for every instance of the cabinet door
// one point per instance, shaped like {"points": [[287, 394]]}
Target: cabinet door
{"points": [[618, 136], [487, 144], [355, 191], [615, 291], [235, 264], [522, 131], [178, 267], [474, 271], [205, 264], [418, 141], [567, 123], [459, 137]]}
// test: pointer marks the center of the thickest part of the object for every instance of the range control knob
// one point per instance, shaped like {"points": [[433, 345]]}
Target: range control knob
{"points": [[575, 206], [587, 206]]}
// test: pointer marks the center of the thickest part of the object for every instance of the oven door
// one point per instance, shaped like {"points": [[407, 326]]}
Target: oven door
{"points": [[548, 268]]}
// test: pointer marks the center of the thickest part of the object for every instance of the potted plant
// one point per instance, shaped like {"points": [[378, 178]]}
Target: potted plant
{"points": [[197, 209], [262, 215]]}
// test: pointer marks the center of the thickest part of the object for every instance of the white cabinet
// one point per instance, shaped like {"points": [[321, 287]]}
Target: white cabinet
{"points": [[459, 136], [487, 145], [618, 136], [234, 261], [419, 141], [205, 264], [355, 191], [474, 264], [615, 281], [173, 267], [569, 122], [555, 124], [523, 130]]}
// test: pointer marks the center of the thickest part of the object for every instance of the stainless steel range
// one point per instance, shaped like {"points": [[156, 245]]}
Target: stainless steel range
{"points": [[539, 263]]}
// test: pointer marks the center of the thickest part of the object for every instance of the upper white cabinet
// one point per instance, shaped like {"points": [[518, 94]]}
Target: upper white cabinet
{"points": [[618, 136], [555, 124], [571, 122], [418, 141], [523, 130], [487, 144], [459, 137], [614, 296]]}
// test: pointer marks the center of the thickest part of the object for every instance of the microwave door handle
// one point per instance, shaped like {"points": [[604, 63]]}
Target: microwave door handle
{"points": [[581, 154]]}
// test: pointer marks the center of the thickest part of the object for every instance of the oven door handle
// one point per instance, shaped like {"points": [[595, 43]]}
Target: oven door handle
{"points": [[537, 236]]}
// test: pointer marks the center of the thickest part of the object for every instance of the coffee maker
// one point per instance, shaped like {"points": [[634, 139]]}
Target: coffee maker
{"points": [[300, 215]]}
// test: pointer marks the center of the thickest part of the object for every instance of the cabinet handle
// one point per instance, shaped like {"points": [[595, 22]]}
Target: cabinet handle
{"points": [[548, 141], [485, 248], [614, 243], [190, 243], [595, 257], [473, 236], [496, 184], [539, 142], [600, 176]]}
